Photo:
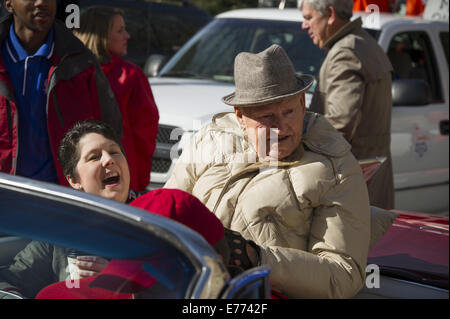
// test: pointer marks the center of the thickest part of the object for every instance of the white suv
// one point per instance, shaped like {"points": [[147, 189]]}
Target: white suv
{"points": [[189, 88]]}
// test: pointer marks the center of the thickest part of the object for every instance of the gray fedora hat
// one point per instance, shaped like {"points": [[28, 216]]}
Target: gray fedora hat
{"points": [[265, 77]]}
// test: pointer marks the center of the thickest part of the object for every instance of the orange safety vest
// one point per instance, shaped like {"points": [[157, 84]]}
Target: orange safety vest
{"points": [[414, 7]]}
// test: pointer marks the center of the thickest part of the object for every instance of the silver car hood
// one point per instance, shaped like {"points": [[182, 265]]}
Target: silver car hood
{"points": [[189, 103]]}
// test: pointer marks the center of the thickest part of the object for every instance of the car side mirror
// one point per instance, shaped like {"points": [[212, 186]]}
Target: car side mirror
{"points": [[410, 92], [154, 64]]}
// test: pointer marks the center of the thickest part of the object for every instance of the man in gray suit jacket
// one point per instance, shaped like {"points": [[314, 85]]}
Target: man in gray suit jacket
{"points": [[354, 87]]}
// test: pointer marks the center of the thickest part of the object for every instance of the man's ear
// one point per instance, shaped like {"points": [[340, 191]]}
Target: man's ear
{"points": [[303, 102], [74, 182], [8, 6], [331, 15]]}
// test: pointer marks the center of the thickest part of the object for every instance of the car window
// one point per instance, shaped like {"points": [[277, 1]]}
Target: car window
{"points": [[174, 26], [155, 28], [374, 33], [138, 27], [212, 51], [40, 233], [412, 57], [444, 42]]}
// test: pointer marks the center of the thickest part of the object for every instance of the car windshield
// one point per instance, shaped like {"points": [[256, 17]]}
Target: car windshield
{"points": [[210, 53], [39, 256]]}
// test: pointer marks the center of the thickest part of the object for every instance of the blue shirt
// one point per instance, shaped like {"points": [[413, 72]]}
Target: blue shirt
{"points": [[29, 74]]}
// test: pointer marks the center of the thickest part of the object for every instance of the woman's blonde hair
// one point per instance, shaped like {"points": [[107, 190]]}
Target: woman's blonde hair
{"points": [[95, 26]]}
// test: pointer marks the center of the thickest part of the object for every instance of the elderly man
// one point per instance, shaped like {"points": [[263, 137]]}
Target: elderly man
{"points": [[284, 178], [354, 87]]}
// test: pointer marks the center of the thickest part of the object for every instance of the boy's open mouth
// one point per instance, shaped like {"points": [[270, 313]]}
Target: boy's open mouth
{"points": [[111, 179]]}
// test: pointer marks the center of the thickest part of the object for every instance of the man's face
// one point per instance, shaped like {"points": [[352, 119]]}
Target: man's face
{"points": [[315, 24], [275, 130], [34, 15]]}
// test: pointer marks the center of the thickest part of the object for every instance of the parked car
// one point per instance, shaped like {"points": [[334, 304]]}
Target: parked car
{"points": [[181, 263], [410, 260], [189, 88], [156, 27]]}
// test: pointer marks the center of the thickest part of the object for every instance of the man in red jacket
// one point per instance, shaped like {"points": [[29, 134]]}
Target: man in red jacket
{"points": [[48, 81]]}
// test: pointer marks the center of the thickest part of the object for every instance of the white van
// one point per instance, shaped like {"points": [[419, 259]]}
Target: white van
{"points": [[189, 87]]}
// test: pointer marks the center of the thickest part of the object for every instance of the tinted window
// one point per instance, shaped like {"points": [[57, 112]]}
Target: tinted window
{"points": [[412, 57], [212, 51], [444, 41], [173, 26], [374, 33], [155, 28], [139, 44]]}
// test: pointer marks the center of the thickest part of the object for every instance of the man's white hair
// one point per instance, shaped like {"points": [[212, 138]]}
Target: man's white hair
{"points": [[343, 8]]}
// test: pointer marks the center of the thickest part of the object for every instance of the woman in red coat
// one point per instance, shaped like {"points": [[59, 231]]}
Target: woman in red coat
{"points": [[102, 30]]}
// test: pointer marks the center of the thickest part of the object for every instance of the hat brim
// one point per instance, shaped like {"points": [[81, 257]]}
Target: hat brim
{"points": [[304, 82]]}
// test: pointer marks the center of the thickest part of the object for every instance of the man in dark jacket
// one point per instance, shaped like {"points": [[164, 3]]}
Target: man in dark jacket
{"points": [[48, 81]]}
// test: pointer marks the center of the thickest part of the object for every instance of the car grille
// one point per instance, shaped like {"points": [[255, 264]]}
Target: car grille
{"points": [[161, 158], [161, 165], [163, 136]]}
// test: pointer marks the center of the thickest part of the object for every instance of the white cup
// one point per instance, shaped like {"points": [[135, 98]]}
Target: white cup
{"points": [[73, 269]]}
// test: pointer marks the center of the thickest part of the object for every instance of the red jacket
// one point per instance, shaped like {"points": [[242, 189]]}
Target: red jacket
{"points": [[77, 91], [139, 115]]}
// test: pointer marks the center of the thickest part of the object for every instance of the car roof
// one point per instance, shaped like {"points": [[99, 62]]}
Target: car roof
{"points": [[295, 15]]}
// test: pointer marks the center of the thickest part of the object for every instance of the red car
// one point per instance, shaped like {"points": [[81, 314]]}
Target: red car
{"points": [[411, 259]]}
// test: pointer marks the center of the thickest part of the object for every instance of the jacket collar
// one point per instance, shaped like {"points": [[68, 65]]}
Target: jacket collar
{"points": [[65, 42], [5, 23], [320, 136], [18, 53], [342, 32]]}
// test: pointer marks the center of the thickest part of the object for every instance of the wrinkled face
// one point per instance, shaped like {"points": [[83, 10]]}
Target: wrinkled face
{"points": [[315, 24], [102, 168], [274, 130], [118, 36], [35, 15]]}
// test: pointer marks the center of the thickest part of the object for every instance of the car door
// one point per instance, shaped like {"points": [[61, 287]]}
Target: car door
{"points": [[152, 259], [419, 144]]}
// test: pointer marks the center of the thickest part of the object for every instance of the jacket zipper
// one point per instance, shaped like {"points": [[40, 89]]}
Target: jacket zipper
{"points": [[11, 123], [9, 119], [14, 159]]}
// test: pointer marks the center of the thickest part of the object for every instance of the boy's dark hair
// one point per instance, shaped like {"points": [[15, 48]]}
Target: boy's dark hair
{"points": [[68, 152]]}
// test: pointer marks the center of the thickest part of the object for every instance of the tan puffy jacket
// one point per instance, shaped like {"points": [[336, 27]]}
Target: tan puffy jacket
{"points": [[310, 213]]}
